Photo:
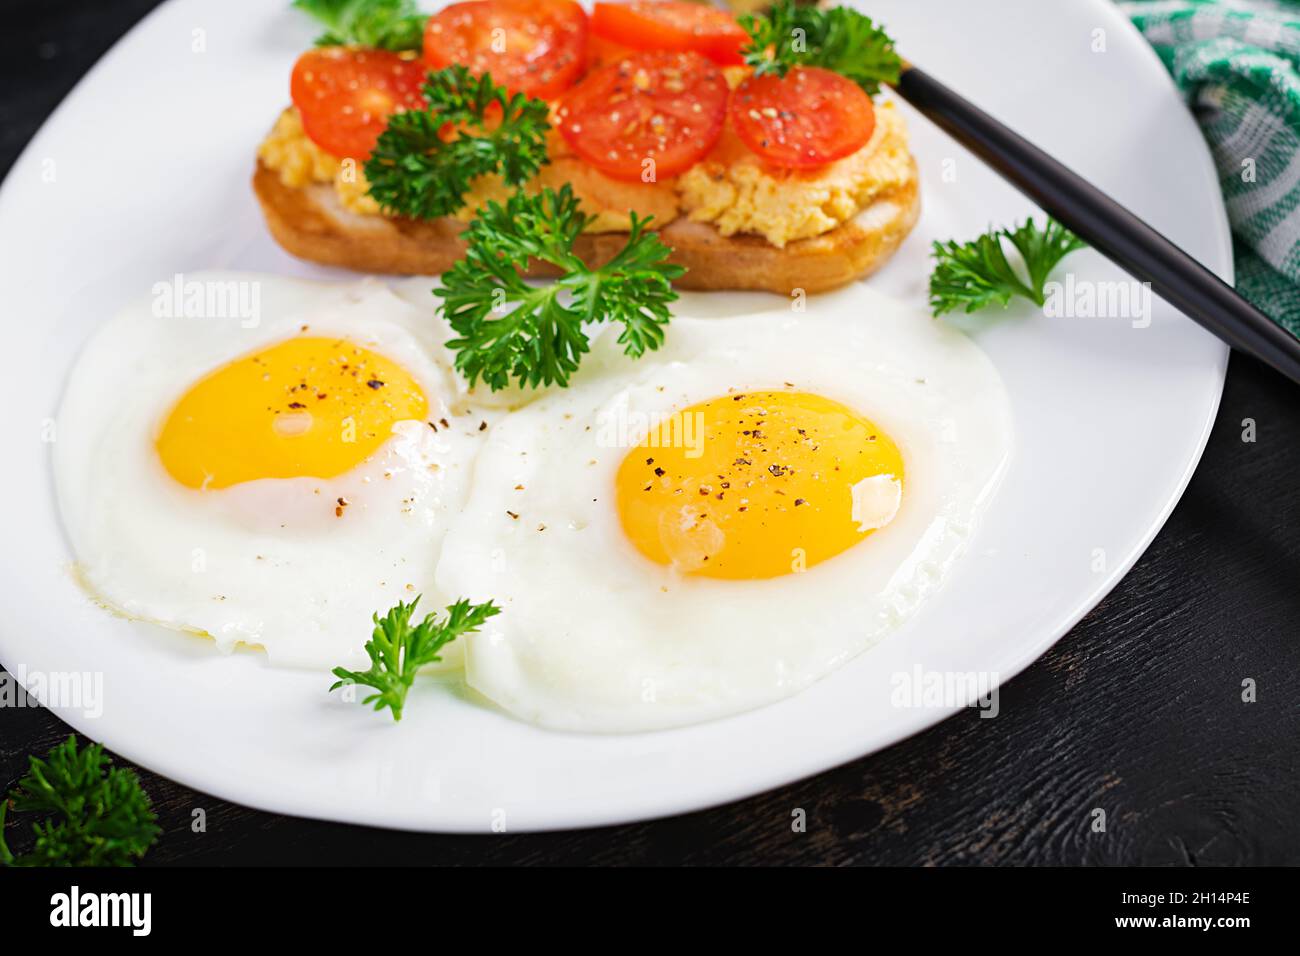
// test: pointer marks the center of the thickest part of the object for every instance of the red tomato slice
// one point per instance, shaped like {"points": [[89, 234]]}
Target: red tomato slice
{"points": [[809, 118], [345, 96], [664, 107], [671, 25], [601, 51], [537, 47]]}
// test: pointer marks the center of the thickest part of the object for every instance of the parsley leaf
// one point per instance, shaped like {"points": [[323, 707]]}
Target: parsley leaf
{"points": [[380, 24], [104, 817], [976, 274], [398, 649], [421, 170], [838, 39], [508, 328]]}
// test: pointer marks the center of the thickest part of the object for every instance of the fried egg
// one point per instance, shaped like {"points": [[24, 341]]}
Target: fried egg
{"points": [[265, 461], [724, 522], [417, 290]]}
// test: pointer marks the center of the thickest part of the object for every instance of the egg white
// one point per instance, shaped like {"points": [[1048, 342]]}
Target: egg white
{"points": [[265, 562], [595, 637]]}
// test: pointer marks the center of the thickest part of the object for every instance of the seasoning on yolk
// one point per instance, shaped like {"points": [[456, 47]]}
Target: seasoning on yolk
{"points": [[307, 407], [753, 485]]}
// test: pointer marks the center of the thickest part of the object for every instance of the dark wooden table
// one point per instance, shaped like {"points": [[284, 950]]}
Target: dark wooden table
{"points": [[1137, 711]]}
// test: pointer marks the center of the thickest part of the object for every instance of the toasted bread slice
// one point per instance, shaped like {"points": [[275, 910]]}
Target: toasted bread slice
{"points": [[310, 223]]}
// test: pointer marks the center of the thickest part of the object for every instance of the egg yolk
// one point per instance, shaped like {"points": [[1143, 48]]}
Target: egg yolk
{"points": [[755, 485], [306, 407]]}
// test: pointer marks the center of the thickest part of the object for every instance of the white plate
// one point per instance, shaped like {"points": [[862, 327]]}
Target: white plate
{"points": [[143, 172]]}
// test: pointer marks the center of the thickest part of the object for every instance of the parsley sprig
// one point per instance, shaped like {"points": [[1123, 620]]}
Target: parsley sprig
{"points": [[838, 39], [380, 24], [97, 814], [976, 274], [508, 328], [398, 649], [422, 167]]}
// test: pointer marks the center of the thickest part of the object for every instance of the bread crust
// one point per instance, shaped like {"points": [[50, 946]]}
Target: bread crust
{"points": [[310, 223]]}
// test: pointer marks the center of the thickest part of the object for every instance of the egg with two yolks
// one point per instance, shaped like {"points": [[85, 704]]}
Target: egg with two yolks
{"points": [[273, 485], [723, 522], [696, 533]]}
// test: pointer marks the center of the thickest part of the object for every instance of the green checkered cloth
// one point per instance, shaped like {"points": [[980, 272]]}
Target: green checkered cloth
{"points": [[1238, 64]]}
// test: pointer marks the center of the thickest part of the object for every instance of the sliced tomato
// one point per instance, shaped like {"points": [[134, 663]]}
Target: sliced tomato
{"points": [[601, 51], [647, 116], [346, 95], [809, 118], [536, 47], [671, 25]]}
